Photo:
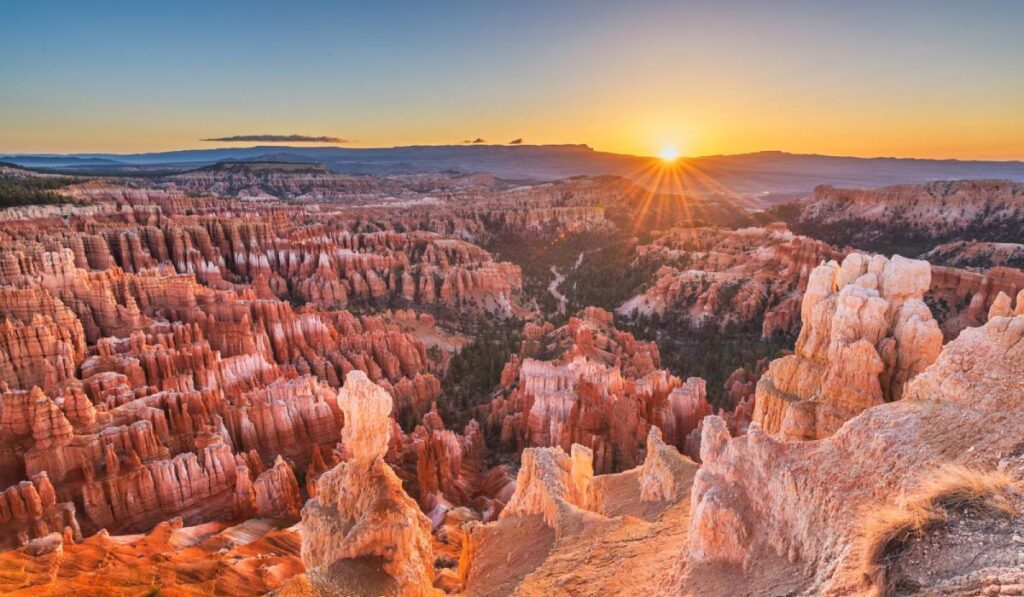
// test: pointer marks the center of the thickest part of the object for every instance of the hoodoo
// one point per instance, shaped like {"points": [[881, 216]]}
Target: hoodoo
{"points": [[361, 519]]}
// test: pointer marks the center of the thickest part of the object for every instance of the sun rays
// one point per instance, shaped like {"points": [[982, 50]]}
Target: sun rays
{"points": [[672, 184]]}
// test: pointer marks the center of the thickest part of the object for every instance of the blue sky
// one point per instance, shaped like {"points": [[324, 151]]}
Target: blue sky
{"points": [[931, 79]]}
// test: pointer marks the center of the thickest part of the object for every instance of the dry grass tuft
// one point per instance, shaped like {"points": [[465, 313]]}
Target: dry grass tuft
{"points": [[952, 488]]}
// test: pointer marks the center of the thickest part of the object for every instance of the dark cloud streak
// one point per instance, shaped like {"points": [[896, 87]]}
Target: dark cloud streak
{"points": [[278, 139]]}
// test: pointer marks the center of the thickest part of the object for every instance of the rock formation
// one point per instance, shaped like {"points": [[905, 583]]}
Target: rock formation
{"points": [[30, 511], [977, 254], [602, 390], [866, 333], [758, 497], [555, 486], [932, 213], [961, 298], [191, 358], [450, 469], [711, 276], [360, 510], [253, 557], [566, 529]]}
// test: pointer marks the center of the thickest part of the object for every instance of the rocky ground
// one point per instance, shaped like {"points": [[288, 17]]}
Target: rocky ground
{"points": [[239, 380]]}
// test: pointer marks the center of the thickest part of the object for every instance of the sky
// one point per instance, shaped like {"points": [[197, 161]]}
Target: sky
{"points": [[866, 78]]}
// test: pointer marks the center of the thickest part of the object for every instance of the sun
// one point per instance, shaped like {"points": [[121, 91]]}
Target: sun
{"points": [[668, 153]]}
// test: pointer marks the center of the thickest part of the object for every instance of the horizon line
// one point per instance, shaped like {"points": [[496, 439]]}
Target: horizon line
{"points": [[16, 154]]}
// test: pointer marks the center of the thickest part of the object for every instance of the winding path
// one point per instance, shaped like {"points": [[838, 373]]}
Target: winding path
{"points": [[559, 278]]}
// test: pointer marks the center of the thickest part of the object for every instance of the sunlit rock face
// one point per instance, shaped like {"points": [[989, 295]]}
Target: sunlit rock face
{"points": [[713, 276], [360, 509], [866, 333], [602, 389], [150, 369], [555, 486], [256, 556], [806, 501], [565, 526], [985, 210]]}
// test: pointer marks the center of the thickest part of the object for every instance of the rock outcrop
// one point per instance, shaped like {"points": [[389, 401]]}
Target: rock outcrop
{"points": [[866, 333], [932, 213], [712, 276], [555, 486], [568, 530], [601, 388], [360, 510], [805, 501]]}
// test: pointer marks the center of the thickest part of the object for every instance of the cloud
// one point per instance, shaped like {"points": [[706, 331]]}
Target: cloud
{"points": [[279, 139], [474, 141], [516, 141]]}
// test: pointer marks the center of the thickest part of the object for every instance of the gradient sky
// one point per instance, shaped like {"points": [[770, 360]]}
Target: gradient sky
{"points": [[904, 78]]}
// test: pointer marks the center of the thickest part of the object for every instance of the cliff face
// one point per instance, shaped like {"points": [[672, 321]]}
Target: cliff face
{"points": [[962, 298], [758, 497], [328, 262], [977, 254], [866, 333], [923, 215], [712, 276], [602, 389]]}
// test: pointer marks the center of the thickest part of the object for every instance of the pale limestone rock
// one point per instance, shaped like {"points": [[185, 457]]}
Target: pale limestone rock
{"points": [[662, 472], [360, 508], [556, 486], [366, 406], [805, 501], [861, 342], [1001, 307]]}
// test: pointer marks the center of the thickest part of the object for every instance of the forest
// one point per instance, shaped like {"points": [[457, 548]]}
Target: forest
{"points": [[23, 190]]}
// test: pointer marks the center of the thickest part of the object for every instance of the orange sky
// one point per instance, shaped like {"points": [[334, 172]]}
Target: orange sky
{"points": [[872, 78]]}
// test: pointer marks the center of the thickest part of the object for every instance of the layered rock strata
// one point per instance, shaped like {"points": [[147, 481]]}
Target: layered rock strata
{"points": [[360, 510], [758, 497], [601, 389], [866, 333]]}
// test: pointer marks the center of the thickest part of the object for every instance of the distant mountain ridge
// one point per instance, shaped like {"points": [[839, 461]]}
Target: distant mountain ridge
{"points": [[761, 174]]}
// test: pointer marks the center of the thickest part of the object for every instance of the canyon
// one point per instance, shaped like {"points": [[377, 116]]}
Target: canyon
{"points": [[259, 377]]}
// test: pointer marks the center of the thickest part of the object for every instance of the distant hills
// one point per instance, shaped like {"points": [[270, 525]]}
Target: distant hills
{"points": [[764, 174]]}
